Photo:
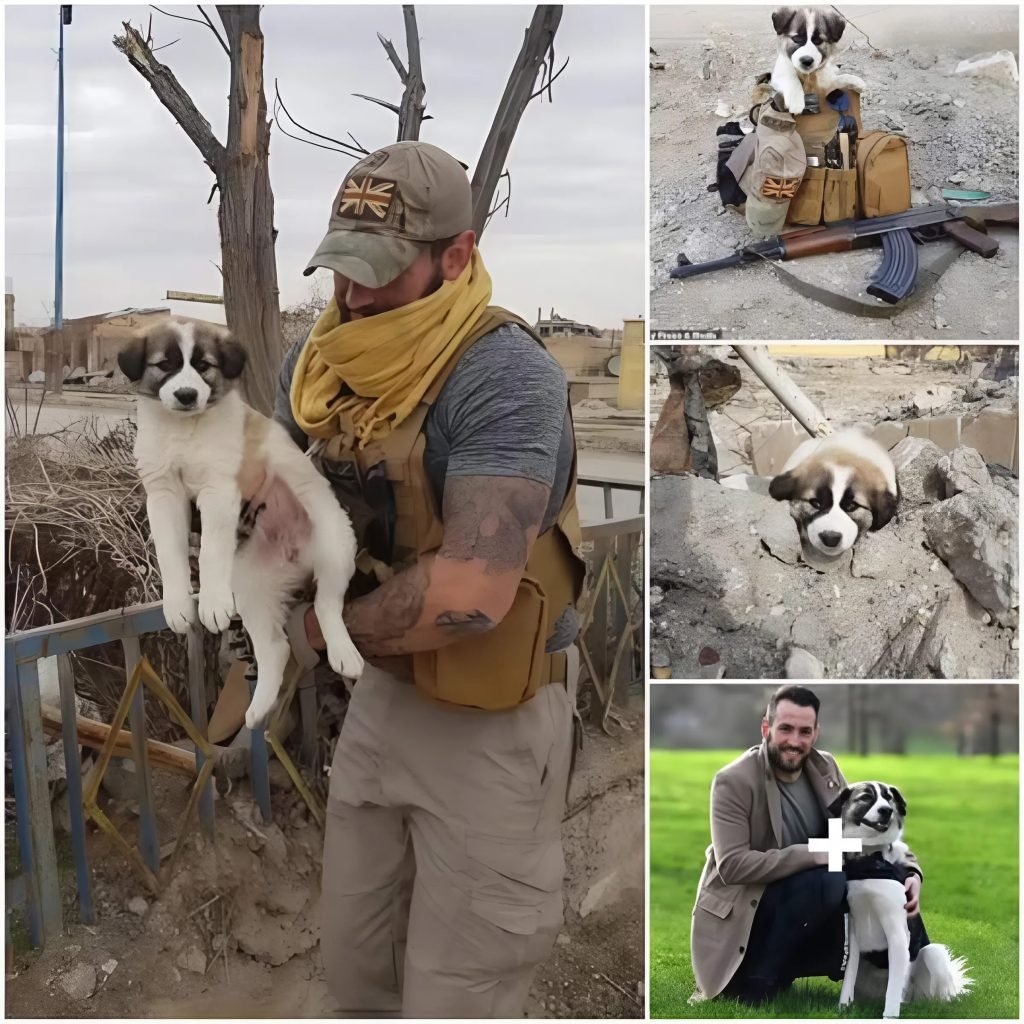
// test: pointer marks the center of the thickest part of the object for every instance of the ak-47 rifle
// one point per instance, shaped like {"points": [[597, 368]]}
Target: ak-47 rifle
{"points": [[894, 279]]}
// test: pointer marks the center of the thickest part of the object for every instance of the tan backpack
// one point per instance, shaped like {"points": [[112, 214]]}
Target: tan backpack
{"points": [[883, 174]]}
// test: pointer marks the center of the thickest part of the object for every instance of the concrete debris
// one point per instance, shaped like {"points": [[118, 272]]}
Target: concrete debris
{"points": [[80, 981], [963, 469], [802, 664], [894, 611], [975, 534], [37, 377], [1000, 66], [917, 461], [108, 966]]}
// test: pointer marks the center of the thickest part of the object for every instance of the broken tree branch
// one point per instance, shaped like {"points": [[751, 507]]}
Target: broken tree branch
{"points": [[537, 44], [383, 103], [213, 29], [171, 94], [348, 150], [411, 113]]}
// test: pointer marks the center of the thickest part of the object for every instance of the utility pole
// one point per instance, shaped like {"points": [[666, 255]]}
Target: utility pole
{"points": [[55, 364]]}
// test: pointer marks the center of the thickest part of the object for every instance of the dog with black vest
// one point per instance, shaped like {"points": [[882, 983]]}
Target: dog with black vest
{"points": [[880, 930]]}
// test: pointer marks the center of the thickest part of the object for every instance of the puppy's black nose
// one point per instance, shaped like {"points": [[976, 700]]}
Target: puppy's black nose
{"points": [[884, 813], [187, 396], [806, 62], [830, 539]]}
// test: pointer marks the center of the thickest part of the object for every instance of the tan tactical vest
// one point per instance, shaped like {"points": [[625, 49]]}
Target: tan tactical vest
{"points": [[505, 666]]}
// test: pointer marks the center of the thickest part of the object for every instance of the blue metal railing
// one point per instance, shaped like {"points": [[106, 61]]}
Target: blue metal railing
{"points": [[23, 713]]}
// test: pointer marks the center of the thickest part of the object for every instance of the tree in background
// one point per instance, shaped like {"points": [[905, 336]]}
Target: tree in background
{"points": [[241, 164]]}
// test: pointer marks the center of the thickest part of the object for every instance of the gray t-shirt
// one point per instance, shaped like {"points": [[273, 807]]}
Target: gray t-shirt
{"points": [[504, 411], [802, 816]]}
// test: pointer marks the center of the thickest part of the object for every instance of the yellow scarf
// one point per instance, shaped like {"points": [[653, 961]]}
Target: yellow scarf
{"points": [[388, 360]]}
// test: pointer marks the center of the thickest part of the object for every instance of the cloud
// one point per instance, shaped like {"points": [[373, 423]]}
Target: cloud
{"points": [[137, 219]]}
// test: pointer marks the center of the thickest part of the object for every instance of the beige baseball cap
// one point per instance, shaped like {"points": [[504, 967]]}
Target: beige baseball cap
{"points": [[390, 205]]}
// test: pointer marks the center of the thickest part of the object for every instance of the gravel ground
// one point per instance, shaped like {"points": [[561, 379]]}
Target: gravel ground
{"points": [[962, 132]]}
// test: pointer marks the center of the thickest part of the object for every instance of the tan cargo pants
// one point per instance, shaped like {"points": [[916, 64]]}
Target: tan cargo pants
{"points": [[443, 867]]}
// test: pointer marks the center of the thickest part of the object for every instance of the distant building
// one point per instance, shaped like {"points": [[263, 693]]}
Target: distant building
{"points": [[560, 326], [94, 341]]}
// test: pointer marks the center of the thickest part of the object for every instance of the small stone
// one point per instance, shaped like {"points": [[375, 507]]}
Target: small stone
{"points": [[193, 959], [802, 664], [108, 966], [80, 981], [960, 102], [138, 905], [563, 940], [941, 323]]}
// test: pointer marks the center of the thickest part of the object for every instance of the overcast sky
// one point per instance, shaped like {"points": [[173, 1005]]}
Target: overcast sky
{"points": [[136, 219]]}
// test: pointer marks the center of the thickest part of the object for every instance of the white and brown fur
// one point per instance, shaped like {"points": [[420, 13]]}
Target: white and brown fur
{"points": [[838, 488], [808, 37], [198, 441], [874, 812]]}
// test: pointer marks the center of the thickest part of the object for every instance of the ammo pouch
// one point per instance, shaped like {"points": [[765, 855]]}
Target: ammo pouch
{"points": [[877, 183]]}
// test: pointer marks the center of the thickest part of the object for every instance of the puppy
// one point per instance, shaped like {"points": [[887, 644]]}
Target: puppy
{"points": [[874, 813], [807, 41], [838, 488], [198, 441]]}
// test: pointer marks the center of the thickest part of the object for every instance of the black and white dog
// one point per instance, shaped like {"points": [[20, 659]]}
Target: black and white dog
{"points": [[198, 441], [838, 488], [874, 813], [807, 41]]}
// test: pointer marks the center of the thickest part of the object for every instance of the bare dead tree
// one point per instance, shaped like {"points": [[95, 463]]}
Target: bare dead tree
{"points": [[241, 168], [537, 56]]}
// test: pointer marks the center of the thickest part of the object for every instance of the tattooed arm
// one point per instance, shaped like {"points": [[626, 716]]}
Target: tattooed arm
{"points": [[490, 523]]}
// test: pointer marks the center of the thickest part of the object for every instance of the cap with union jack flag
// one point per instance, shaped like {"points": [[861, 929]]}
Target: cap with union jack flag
{"points": [[390, 205]]}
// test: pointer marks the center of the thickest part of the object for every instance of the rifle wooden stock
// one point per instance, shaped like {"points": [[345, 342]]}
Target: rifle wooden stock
{"points": [[832, 239]]}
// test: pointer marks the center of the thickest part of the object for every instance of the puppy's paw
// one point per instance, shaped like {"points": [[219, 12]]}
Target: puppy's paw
{"points": [[794, 98], [343, 656], [850, 82], [216, 607], [257, 714], [179, 611]]}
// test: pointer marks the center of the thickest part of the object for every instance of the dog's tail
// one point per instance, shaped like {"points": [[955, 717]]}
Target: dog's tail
{"points": [[938, 974]]}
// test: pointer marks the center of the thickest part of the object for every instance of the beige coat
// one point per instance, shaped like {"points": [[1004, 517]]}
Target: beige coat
{"points": [[745, 855]]}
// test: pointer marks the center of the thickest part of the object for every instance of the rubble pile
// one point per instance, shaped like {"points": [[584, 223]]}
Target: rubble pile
{"points": [[934, 594]]}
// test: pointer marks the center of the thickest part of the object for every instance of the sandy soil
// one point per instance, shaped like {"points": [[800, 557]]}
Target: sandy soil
{"points": [[962, 133], [264, 893]]}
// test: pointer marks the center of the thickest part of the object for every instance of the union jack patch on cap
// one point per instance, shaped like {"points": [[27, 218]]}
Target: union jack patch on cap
{"points": [[367, 198], [780, 188]]}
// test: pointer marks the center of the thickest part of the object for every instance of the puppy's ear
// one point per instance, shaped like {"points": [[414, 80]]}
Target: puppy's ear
{"points": [[783, 487], [781, 18], [832, 25], [132, 358], [901, 804], [883, 507], [835, 809], [232, 356]]}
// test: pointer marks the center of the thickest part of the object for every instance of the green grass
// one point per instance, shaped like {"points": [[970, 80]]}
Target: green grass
{"points": [[962, 825]]}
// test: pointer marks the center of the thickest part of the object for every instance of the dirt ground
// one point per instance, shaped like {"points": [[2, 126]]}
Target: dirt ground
{"points": [[254, 892], [961, 131]]}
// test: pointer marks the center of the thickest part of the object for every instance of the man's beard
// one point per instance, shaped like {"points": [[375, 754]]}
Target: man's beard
{"points": [[346, 315], [775, 759]]}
